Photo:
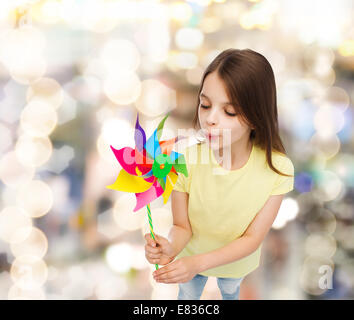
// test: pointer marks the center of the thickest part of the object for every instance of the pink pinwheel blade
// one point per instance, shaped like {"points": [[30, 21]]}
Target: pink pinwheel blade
{"points": [[144, 198], [126, 158]]}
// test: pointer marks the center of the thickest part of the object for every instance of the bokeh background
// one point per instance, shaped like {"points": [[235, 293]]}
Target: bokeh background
{"points": [[73, 75]]}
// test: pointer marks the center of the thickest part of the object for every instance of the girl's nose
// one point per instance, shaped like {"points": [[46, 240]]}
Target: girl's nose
{"points": [[212, 118]]}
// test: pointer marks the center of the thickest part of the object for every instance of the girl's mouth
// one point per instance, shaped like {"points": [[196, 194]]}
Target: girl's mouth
{"points": [[212, 136]]}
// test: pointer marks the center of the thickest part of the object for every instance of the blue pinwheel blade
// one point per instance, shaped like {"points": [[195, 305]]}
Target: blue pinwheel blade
{"points": [[174, 155], [146, 175], [152, 146]]}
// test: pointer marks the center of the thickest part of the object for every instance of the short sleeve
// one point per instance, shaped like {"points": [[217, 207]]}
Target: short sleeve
{"points": [[183, 183], [284, 184]]}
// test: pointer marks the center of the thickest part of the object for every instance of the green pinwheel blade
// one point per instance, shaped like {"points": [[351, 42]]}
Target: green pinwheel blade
{"points": [[162, 183], [160, 127], [180, 165]]}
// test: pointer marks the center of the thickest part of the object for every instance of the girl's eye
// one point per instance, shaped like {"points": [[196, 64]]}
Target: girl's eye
{"points": [[228, 113], [231, 114]]}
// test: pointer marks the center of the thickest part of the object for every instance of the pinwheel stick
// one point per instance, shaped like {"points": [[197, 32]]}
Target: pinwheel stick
{"points": [[151, 228]]}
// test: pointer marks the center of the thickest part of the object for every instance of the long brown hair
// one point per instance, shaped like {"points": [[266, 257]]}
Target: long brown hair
{"points": [[250, 85]]}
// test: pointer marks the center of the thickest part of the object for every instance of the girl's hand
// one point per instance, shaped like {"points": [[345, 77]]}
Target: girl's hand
{"points": [[160, 251], [181, 270]]}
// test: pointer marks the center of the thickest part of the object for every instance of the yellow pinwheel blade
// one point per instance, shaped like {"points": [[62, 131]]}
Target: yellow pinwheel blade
{"points": [[129, 183], [170, 182]]}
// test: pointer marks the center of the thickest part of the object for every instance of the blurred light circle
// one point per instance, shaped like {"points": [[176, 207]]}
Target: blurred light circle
{"points": [[38, 118], [5, 138], [123, 213], [50, 12], [162, 222], [299, 118], [15, 224], [139, 261], [68, 109], [36, 198], [337, 97], [247, 20], [345, 135], [12, 172], [104, 113], [346, 48], [163, 291], [36, 244], [310, 277], [328, 120], [320, 244], [122, 88], [16, 293], [28, 69], [346, 236], [184, 60], [194, 76], [119, 133], [121, 56], [119, 257], [19, 42], [211, 24], [111, 289], [189, 38], [343, 166], [86, 89], [156, 98], [323, 221], [319, 60], [288, 211], [105, 151], [29, 272], [33, 151], [326, 146], [303, 182], [8, 17], [46, 89], [330, 185], [180, 11], [99, 16]]}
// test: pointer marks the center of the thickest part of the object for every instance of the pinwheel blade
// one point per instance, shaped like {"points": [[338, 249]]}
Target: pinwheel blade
{"points": [[170, 182], [152, 146], [160, 127], [140, 137], [144, 198], [128, 183], [167, 145], [126, 158], [179, 162]]}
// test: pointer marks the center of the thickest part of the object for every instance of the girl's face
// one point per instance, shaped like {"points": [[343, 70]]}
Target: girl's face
{"points": [[218, 117]]}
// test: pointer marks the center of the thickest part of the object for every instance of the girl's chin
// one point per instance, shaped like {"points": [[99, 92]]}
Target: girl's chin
{"points": [[216, 145]]}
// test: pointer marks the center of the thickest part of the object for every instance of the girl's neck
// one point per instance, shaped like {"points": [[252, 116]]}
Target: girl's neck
{"points": [[240, 152]]}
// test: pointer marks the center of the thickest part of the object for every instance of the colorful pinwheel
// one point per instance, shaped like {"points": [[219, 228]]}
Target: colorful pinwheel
{"points": [[150, 170]]}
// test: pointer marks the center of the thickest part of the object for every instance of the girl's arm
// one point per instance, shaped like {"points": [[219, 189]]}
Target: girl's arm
{"points": [[181, 231], [248, 242]]}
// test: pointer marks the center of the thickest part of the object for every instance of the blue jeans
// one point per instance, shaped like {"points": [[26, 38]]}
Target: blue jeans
{"points": [[192, 290]]}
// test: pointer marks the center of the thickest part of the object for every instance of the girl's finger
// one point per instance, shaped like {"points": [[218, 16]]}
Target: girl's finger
{"points": [[173, 280], [167, 269], [150, 240], [172, 274], [152, 250], [154, 256]]}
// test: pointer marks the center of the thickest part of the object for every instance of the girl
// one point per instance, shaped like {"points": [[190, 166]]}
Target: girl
{"points": [[222, 213]]}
